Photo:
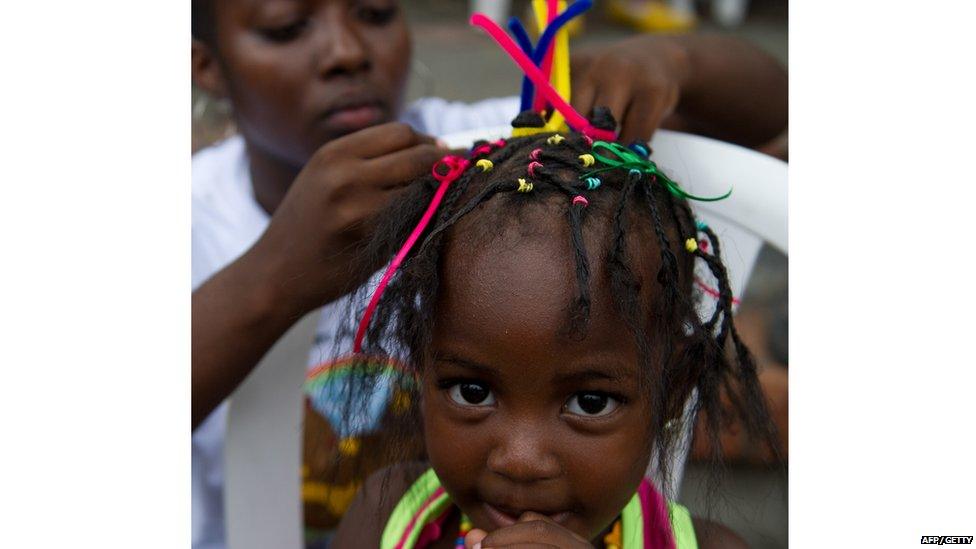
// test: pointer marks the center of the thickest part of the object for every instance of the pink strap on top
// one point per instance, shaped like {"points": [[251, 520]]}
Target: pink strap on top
{"points": [[657, 523], [573, 118], [456, 166]]}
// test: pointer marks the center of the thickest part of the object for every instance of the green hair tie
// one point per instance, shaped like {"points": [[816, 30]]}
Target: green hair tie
{"points": [[628, 159]]}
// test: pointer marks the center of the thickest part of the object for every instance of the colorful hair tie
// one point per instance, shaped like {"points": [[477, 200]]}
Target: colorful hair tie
{"points": [[485, 165], [626, 158], [523, 186], [587, 160], [580, 199], [691, 245], [532, 166], [700, 225], [534, 155], [592, 183], [455, 167], [555, 139], [588, 139], [498, 143], [635, 172]]}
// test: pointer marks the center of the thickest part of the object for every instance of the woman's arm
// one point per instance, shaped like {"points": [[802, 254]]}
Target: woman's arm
{"points": [[712, 85], [364, 522]]}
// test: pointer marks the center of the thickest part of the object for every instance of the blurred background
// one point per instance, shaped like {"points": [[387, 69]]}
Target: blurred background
{"points": [[453, 61]]}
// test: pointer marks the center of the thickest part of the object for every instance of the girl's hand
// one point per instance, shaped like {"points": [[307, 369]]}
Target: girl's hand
{"points": [[532, 531], [640, 79], [330, 209]]}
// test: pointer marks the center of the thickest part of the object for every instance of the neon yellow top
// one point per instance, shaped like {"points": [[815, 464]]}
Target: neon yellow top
{"points": [[426, 500]]}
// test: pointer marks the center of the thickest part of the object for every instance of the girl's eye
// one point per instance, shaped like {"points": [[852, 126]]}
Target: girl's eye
{"points": [[468, 393], [377, 16], [285, 33], [591, 404]]}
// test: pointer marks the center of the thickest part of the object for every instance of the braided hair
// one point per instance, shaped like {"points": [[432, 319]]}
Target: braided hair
{"points": [[685, 353]]}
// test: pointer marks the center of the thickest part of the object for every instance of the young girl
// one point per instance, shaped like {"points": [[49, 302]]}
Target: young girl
{"points": [[544, 316]]}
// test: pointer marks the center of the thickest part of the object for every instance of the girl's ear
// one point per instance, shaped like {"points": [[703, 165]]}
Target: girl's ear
{"points": [[206, 71]]}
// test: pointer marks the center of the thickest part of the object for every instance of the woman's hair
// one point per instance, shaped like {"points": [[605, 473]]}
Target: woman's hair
{"points": [[685, 346]]}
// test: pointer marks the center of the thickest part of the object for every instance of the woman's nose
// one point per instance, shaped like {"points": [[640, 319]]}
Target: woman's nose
{"points": [[522, 456], [343, 52]]}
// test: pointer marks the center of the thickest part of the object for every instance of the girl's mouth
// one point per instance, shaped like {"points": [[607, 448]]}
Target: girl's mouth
{"points": [[355, 117], [504, 517]]}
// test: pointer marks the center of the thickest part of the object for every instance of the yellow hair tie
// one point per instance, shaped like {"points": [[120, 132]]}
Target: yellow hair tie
{"points": [[587, 160], [555, 139], [524, 187], [691, 245], [485, 165]]}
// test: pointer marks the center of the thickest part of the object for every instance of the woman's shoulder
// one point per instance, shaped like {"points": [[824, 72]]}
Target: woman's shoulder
{"points": [[364, 522]]}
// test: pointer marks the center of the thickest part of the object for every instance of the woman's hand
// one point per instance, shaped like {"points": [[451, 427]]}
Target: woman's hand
{"points": [[532, 531], [330, 209], [640, 79]]}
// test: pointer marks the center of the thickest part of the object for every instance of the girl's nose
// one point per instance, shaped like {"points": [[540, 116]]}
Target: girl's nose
{"points": [[522, 456]]}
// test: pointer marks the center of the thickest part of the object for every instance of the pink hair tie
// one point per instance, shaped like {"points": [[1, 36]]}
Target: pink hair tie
{"points": [[534, 155], [532, 167], [580, 199], [455, 167], [498, 143], [484, 149], [588, 139]]}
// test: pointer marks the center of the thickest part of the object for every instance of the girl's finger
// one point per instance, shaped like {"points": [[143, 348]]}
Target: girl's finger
{"points": [[473, 539], [642, 119]]}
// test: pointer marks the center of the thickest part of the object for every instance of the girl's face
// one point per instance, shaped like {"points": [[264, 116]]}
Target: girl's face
{"points": [[302, 72], [518, 417]]}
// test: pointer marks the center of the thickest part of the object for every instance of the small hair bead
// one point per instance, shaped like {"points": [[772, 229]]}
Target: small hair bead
{"points": [[349, 446], [485, 165], [691, 245], [484, 149], [700, 225], [592, 183], [580, 199], [635, 172], [555, 139], [524, 186], [534, 155], [703, 244], [588, 139], [640, 149], [587, 160], [532, 166], [498, 143]]}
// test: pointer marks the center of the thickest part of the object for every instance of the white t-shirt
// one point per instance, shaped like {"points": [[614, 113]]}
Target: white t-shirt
{"points": [[226, 222]]}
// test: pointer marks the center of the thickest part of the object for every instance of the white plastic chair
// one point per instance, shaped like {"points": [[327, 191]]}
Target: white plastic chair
{"points": [[264, 436]]}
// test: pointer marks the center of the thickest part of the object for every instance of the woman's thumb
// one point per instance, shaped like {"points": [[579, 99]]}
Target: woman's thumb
{"points": [[473, 539]]}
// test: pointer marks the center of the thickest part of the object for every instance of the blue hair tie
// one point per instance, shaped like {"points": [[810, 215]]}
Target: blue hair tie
{"points": [[700, 225], [592, 183], [639, 148]]}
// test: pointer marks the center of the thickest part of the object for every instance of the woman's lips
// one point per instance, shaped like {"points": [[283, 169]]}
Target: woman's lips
{"points": [[504, 519], [354, 117]]}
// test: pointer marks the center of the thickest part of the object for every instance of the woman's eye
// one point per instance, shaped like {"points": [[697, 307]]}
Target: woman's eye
{"points": [[469, 393], [285, 33], [592, 404], [377, 16]]}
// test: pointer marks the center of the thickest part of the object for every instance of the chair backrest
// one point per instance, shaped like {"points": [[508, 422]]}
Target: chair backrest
{"points": [[262, 451]]}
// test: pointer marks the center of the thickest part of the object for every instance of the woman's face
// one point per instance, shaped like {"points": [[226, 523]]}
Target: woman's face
{"points": [[518, 417], [300, 73]]}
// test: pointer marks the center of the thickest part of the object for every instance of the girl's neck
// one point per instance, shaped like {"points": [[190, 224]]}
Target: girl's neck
{"points": [[271, 178]]}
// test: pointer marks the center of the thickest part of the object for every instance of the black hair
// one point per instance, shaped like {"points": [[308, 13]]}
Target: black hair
{"points": [[203, 21], [687, 351]]}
